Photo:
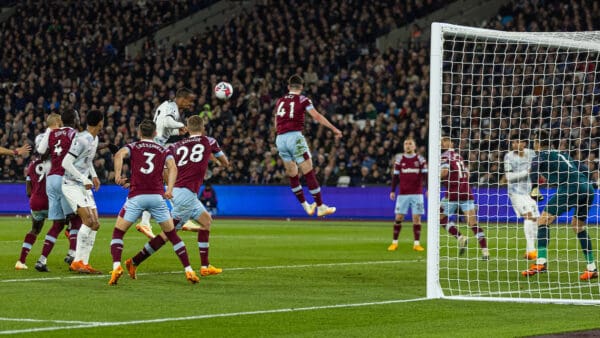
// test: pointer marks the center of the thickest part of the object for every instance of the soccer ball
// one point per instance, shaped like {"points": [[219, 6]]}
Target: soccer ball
{"points": [[223, 90]]}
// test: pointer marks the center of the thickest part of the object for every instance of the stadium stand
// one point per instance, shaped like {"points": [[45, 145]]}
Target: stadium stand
{"points": [[377, 98]]}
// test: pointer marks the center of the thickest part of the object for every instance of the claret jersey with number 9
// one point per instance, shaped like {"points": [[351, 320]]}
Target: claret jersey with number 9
{"points": [[290, 111]]}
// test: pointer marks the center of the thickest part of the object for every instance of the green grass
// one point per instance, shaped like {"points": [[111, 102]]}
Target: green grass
{"points": [[302, 278]]}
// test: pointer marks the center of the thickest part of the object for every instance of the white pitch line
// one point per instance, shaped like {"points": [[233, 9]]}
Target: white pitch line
{"points": [[209, 316], [272, 267], [31, 320]]}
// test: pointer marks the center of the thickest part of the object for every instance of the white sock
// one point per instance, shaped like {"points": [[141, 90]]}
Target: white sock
{"points": [[394, 241], [82, 235], [416, 243], [116, 265], [188, 269], [530, 229], [591, 267], [42, 259], [146, 218], [89, 246]]}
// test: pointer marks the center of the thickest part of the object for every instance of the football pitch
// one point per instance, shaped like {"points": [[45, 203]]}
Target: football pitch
{"points": [[299, 278]]}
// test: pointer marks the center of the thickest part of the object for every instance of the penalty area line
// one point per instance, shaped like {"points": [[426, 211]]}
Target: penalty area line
{"points": [[210, 316], [272, 267]]}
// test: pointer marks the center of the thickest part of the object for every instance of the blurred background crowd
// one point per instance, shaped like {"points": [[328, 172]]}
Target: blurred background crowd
{"points": [[69, 54]]}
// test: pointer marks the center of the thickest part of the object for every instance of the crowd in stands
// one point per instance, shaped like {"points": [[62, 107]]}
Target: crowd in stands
{"points": [[377, 98], [559, 94]]}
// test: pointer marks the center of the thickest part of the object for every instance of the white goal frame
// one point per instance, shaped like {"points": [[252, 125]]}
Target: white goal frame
{"points": [[438, 31]]}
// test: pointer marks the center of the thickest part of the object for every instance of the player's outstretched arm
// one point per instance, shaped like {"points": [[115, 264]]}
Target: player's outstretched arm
{"points": [[324, 121], [23, 150]]}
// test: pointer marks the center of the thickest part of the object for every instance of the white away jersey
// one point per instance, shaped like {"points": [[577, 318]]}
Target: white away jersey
{"points": [[167, 121], [517, 171], [83, 149]]}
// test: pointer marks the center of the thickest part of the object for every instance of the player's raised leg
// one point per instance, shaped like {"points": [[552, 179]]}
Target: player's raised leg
{"points": [[313, 185], [144, 225], [291, 170]]}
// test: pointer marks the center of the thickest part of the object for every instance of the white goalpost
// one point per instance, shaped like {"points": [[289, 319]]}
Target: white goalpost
{"points": [[487, 87]]}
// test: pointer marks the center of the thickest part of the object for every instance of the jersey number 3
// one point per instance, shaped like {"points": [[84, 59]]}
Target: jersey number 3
{"points": [[149, 158]]}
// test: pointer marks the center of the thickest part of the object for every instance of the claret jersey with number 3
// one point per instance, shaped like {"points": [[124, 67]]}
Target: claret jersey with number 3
{"points": [[290, 111], [457, 181], [147, 162]]}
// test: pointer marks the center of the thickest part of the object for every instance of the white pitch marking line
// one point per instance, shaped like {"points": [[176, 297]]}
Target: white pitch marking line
{"points": [[209, 316], [31, 320], [300, 266]]}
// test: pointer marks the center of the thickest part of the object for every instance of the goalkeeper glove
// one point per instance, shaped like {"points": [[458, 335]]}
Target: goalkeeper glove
{"points": [[536, 194]]}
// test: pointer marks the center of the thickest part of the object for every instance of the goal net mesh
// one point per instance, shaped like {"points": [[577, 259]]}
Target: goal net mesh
{"points": [[494, 86]]}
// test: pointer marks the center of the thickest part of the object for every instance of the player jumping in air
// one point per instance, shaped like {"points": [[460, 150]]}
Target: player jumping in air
{"points": [[292, 146], [167, 118]]}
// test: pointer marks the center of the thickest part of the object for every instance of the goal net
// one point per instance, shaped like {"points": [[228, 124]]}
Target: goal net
{"points": [[487, 87]]}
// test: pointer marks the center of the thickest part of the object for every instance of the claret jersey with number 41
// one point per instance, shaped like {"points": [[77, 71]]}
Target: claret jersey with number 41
{"points": [[290, 111]]}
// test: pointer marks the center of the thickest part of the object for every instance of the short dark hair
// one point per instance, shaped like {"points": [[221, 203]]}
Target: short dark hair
{"points": [[147, 128], [522, 136], [183, 92], [69, 116], [295, 81], [94, 117], [195, 123], [543, 138]]}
